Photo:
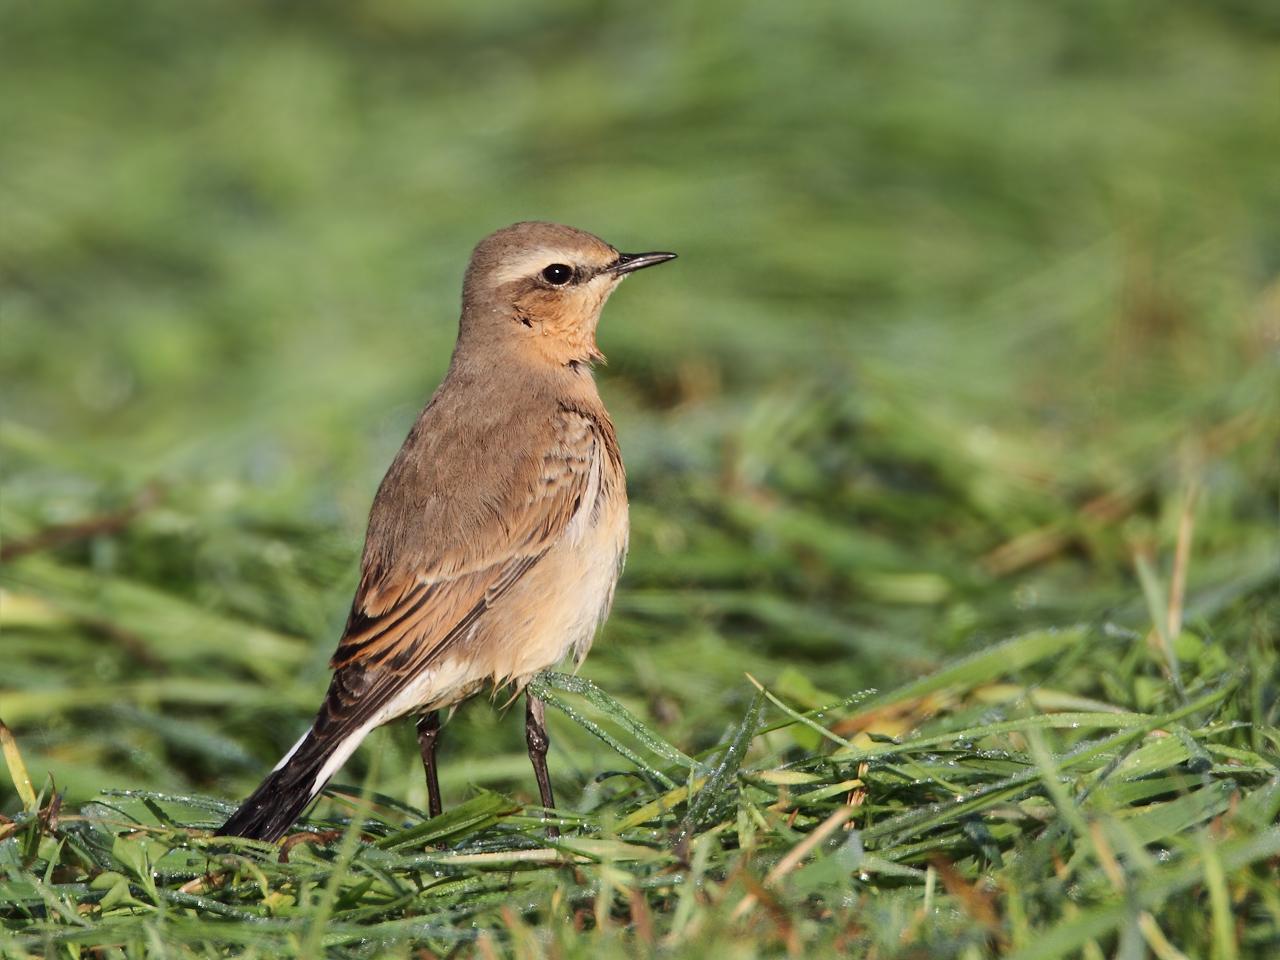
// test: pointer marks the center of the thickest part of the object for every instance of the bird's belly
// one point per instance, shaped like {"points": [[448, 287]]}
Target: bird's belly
{"points": [[558, 605]]}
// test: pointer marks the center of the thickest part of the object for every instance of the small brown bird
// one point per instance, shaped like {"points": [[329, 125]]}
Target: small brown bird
{"points": [[497, 535]]}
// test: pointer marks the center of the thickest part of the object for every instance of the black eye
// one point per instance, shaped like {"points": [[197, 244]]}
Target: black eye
{"points": [[558, 274]]}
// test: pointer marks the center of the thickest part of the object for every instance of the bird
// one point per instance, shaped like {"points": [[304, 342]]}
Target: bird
{"points": [[497, 535]]}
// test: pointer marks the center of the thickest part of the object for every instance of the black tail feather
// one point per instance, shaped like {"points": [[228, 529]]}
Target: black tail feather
{"points": [[273, 808]]}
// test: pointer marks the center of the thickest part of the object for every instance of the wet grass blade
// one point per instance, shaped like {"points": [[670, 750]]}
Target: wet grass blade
{"points": [[545, 693], [726, 769], [472, 816], [609, 706]]}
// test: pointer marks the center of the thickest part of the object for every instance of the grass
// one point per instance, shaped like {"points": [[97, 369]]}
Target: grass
{"points": [[950, 623], [1021, 818]]}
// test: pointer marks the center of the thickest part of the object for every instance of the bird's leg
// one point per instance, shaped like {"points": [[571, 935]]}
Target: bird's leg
{"points": [[535, 733], [428, 731]]}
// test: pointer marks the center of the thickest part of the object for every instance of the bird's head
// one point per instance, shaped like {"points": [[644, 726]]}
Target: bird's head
{"points": [[541, 287]]}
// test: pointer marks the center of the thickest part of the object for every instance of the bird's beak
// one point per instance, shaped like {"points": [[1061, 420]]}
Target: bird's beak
{"points": [[631, 262]]}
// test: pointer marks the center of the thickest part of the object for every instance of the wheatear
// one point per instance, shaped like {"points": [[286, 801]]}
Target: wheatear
{"points": [[498, 533]]}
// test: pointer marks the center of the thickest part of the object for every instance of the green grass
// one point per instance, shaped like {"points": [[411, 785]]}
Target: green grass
{"points": [[950, 623]]}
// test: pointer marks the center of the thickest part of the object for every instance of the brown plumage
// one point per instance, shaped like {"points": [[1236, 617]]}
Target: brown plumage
{"points": [[497, 535]]}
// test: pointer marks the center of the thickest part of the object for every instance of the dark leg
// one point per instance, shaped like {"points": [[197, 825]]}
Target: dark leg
{"points": [[428, 731], [535, 733]]}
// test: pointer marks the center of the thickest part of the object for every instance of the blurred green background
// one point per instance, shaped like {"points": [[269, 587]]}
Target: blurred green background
{"points": [[970, 296]]}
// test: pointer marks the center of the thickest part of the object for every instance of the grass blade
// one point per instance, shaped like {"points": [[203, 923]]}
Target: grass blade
{"points": [[726, 770]]}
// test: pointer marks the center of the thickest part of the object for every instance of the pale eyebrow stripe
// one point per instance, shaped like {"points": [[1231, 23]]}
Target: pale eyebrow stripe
{"points": [[528, 265], [531, 263]]}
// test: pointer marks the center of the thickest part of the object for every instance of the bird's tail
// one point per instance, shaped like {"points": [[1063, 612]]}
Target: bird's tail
{"points": [[271, 810]]}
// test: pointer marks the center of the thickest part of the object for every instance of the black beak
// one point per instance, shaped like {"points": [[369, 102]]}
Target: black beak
{"points": [[631, 262]]}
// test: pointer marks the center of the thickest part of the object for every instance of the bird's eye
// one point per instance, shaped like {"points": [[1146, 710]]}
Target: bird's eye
{"points": [[558, 274]]}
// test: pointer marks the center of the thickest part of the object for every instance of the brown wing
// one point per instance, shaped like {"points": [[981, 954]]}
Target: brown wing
{"points": [[458, 550]]}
